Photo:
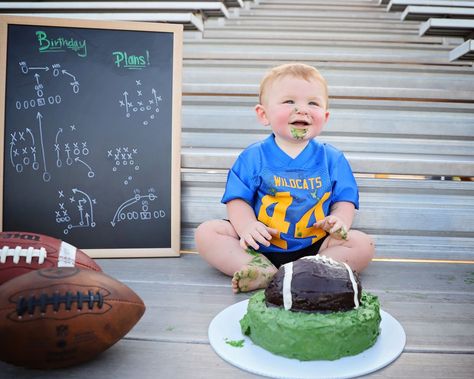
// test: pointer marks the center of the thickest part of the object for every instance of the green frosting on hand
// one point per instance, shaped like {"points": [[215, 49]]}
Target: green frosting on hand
{"points": [[312, 336], [341, 232]]}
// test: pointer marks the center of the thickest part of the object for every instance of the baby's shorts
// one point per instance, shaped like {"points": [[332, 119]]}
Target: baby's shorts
{"points": [[279, 259]]}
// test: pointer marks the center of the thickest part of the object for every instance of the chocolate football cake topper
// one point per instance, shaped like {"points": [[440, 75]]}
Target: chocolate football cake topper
{"points": [[314, 284]]}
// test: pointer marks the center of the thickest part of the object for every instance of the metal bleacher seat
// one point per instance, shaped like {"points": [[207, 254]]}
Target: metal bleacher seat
{"points": [[463, 52], [189, 13], [400, 5], [449, 27], [420, 13]]}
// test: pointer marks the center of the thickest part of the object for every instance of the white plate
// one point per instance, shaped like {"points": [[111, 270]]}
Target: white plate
{"points": [[250, 357]]}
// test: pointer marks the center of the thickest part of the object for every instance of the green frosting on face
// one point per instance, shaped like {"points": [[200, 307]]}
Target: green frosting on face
{"points": [[312, 336], [298, 133]]}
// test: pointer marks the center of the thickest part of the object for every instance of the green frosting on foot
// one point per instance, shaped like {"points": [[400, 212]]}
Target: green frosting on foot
{"points": [[312, 336]]}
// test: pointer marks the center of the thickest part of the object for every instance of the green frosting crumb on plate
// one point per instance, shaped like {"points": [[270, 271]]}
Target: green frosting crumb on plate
{"points": [[235, 343]]}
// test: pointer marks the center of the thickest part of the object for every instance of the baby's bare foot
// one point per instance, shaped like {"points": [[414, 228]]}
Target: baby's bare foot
{"points": [[255, 275]]}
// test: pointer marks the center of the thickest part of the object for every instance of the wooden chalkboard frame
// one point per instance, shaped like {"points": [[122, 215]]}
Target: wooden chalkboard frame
{"points": [[177, 33]]}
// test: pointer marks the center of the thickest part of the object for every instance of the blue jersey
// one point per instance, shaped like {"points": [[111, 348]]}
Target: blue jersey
{"points": [[289, 194]]}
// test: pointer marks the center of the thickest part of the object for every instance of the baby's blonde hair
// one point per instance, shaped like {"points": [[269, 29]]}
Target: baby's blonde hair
{"points": [[298, 70]]}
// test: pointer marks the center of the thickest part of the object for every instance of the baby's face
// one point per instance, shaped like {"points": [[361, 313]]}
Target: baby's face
{"points": [[295, 108]]}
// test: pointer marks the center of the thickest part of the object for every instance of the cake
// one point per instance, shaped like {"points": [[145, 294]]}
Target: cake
{"points": [[313, 309]]}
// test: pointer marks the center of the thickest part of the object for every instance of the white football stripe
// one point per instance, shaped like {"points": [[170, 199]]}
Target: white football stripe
{"points": [[67, 255]]}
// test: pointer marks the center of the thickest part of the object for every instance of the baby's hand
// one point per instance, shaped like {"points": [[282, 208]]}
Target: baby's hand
{"points": [[256, 232], [334, 226]]}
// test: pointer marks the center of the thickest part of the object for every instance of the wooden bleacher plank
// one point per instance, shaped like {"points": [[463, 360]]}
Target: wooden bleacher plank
{"points": [[184, 294], [447, 27], [400, 5], [415, 13], [463, 52], [167, 284], [185, 360]]}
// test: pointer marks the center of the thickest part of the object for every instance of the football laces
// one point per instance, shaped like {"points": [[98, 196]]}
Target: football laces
{"points": [[18, 253]]}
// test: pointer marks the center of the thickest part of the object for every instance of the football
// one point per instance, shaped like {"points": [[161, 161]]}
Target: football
{"points": [[59, 317], [22, 252]]}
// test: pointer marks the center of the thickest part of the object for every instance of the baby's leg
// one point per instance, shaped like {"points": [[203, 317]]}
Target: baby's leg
{"points": [[218, 243], [254, 275], [357, 251]]}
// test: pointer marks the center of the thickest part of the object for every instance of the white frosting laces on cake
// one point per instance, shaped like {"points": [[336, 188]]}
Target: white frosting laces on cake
{"points": [[287, 297], [354, 285], [322, 258], [332, 262], [17, 253]]}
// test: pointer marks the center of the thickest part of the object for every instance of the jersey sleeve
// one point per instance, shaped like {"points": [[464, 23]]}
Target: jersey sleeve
{"points": [[344, 185], [241, 181]]}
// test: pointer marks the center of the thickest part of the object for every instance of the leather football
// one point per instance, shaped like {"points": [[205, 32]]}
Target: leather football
{"points": [[59, 317], [23, 252]]}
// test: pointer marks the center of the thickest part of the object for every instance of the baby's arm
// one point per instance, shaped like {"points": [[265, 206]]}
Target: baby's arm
{"points": [[250, 230], [339, 220]]}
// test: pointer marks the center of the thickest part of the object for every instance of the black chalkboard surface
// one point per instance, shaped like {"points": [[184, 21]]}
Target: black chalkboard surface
{"points": [[89, 115]]}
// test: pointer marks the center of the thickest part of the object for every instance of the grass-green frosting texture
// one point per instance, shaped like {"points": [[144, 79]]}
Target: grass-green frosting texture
{"points": [[312, 336]]}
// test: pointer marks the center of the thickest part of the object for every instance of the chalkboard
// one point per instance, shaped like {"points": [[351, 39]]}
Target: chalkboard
{"points": [[90, 119]]}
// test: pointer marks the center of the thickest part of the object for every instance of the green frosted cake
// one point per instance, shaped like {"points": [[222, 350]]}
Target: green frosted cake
{"points": [[302, 329]]}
